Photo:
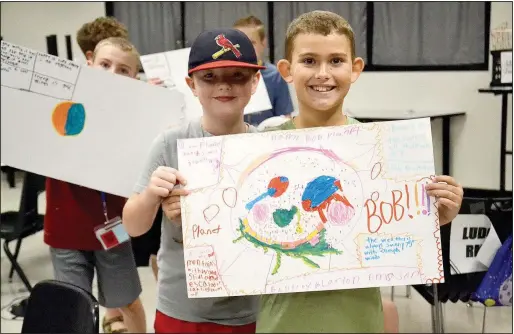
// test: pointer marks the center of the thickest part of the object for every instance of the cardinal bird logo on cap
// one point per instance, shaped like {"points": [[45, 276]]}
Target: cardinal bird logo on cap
{"points": [[226, 46]]}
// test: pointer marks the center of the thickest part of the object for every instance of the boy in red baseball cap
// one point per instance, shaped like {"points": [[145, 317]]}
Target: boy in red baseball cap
{"points": [[223, 74]]}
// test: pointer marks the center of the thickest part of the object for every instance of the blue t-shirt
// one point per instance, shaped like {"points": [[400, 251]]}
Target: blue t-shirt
{"points": [[278, 92]]}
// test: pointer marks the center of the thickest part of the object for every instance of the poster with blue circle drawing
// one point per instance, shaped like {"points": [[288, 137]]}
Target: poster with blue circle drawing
{"points": [[79, 124]]}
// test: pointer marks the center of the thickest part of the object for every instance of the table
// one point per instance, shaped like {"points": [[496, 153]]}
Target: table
{"points": [[375, 115], [504, 92]]}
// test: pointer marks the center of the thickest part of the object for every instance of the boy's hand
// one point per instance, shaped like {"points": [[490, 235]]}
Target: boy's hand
{"points": [[171, 205], [155, 81], [449, 194], [163, 181]]}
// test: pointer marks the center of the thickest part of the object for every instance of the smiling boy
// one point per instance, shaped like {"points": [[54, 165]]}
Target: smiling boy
{"points": [[223, 74], [322, 65]]}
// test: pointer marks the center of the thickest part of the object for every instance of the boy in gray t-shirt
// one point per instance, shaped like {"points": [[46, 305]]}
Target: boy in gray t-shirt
{"points": [[223, 74]]}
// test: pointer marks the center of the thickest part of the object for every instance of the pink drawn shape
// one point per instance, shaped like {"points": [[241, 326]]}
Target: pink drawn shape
{"points": [[211, 212], [339, 214], [260, 213], [230, 197], [314, 241]]}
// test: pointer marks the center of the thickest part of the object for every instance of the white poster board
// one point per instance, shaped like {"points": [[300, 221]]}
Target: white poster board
{"points": [[78, 124], [310, 210], [469, 235], [171, 67], [506, 66]]}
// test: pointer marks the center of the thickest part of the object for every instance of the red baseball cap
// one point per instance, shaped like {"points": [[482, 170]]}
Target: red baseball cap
{"points": [[222, 48]]}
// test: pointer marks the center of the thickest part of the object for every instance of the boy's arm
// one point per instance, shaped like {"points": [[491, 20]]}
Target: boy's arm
{"points": [[140, 210], [283, 105]]}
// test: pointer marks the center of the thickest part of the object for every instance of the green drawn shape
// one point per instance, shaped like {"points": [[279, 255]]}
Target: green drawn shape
{"points": [[320, 249], [283, 217]]}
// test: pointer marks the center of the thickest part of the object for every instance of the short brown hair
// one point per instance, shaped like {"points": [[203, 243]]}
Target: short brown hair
{"points": [[318, 22], [91, 33], [251, 22], [122, 44]]}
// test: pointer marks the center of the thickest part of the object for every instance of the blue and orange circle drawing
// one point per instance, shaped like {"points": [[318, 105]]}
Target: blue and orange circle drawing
{"points": [[69, 118]]}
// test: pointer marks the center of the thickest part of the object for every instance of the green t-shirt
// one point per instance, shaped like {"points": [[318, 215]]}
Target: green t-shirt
{"points": [[339, 311]]}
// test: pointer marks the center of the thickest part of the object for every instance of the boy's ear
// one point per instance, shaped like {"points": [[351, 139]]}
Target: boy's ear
{"points": [[284, 68], [357, 67], [255, 81], [89, 55], [191, 83]]}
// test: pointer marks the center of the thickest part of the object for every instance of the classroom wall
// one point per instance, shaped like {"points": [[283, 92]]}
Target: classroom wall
{"points": [[475, 151], [475, 137], [28, 23]]}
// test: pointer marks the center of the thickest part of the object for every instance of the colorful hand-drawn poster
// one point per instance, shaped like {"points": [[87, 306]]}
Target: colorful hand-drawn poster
{"points": [[310, 210]]}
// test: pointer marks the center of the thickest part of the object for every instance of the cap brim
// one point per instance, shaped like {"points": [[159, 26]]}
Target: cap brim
{"points": [[224, 63]]}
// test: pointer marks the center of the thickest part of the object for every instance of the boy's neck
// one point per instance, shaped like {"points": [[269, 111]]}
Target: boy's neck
{"points": [[309, 118], [220, 127]]}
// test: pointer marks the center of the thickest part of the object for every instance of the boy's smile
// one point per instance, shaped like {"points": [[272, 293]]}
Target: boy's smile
{"points": [[225, 98], [322, 91], [322, 88]]}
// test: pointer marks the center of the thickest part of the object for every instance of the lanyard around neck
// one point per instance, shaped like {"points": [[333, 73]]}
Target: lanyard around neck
{"points": [[104, 203]]}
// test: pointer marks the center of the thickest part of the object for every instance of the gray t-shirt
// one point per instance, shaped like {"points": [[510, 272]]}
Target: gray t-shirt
{"points": [[171, 287]]}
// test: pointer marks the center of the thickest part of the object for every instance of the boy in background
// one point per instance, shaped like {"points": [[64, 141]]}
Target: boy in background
{"points": [[89, 35], [73, 212], [224, 86], [322, 65], [278, 90]]}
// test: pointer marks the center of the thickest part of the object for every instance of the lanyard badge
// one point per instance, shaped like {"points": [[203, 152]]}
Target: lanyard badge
{"points": [[111, 233]]}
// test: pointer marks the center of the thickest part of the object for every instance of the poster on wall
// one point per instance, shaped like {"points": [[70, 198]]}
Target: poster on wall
{"points": [[310, 210], [79, 124], [171, 67]]}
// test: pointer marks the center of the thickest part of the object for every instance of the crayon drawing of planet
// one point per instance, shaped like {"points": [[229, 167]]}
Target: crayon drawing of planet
{"points": [[287, 211], [69, 118]]}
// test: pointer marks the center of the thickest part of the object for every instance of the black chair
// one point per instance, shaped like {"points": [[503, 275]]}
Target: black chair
{"points": [[11, 175], [17, 225], [58, 307], [460, 287]]}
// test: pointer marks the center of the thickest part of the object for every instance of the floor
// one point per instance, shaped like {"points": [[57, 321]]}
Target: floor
{"points": [[415, 315]]}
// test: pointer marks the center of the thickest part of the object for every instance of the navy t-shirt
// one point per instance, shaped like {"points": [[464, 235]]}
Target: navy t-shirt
{"points": [[279, 96]]}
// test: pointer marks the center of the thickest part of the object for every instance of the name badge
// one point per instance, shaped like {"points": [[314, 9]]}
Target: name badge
{"points": [[112, 233]]}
